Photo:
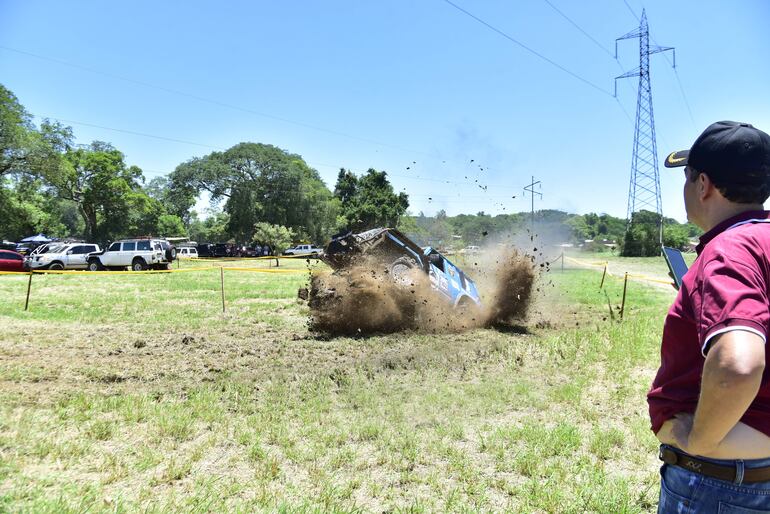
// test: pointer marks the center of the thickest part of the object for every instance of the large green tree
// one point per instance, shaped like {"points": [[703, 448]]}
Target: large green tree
{"points": [[369, 201], [258, 183], [109, 195]]}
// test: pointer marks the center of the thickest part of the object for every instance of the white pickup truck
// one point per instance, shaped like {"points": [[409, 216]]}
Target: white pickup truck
{"points": [[138, 254], [306, 250], [62, 256]]}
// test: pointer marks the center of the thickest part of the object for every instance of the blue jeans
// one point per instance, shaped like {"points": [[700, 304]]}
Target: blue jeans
{"points": [[685, 492]]}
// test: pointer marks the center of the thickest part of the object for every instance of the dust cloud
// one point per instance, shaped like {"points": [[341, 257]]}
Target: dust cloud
{"points": [[362, 299]]}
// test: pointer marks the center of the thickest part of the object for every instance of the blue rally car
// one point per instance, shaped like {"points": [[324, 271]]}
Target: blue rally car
{"points": [[401, 255]]}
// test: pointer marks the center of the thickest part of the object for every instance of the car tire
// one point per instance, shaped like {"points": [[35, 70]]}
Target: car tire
{"points": [[171, 253], [56, 266], [95, 265], [138, 265], [467, 308], [401, 269]]}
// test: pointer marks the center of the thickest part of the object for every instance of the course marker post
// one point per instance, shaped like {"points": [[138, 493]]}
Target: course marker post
{"points": [[604, 274], [222, 280], [29, 287], [623, 302]]}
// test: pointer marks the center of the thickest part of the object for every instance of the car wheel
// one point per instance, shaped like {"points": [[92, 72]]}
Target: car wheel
{"points": [[401, 270], [138, 265], [95, 265], [171, 254], [56, 266]]}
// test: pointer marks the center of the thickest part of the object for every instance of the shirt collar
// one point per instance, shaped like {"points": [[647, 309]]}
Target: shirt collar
{"points": [[728, 223]]}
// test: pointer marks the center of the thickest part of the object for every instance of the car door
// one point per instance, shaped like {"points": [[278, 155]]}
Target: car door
{"points": [[126, 254], [10, 261], [75, 257], [111, 256]]}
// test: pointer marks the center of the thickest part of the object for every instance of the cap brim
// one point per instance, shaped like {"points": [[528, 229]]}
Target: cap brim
{"points": [[677, 159]]}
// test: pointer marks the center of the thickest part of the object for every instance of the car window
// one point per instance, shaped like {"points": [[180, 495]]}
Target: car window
{"points": [[11, 256], [158, 247], [90, 248], [193, 251], [5, 255], [143, 245], [114, 247], [77, 250], [129, 247]]}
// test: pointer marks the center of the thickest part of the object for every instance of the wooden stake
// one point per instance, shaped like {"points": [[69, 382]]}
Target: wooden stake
{"points": [[623, 302], [562, 262], [29, 287], [222, 279], [603, 275]]}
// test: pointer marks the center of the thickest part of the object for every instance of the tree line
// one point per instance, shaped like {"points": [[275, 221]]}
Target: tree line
{"points": [[258, 192]]}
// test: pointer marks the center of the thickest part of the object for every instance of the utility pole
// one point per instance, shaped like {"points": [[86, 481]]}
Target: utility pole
{"points": [[531, 190], [644, 187]]}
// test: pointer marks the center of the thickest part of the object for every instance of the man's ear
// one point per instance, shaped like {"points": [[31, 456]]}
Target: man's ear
{"points": [[706, 187]]}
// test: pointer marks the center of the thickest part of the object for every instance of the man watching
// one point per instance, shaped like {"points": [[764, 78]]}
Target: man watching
{"points": [[710, 400]]}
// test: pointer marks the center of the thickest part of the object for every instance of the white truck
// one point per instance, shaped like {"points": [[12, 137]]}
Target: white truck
{"points": [[59, 256], [306, 250], [137, 254]]}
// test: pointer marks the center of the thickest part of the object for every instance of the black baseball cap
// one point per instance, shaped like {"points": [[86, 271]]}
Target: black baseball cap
{"points": [[729, 152]]}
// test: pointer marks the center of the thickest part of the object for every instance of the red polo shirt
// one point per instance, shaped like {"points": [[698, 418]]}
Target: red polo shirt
{"points": [[727, 288]]}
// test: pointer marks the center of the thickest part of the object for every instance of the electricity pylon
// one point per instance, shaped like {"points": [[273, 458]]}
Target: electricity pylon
{"points": [[644, 188]]}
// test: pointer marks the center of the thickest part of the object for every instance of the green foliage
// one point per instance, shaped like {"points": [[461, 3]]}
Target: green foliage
{"points": [[369, 201], [258, 183], [212, 229], [277, 236]]}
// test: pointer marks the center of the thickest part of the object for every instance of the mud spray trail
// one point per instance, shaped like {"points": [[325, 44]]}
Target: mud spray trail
{"points": [[362, 299]]}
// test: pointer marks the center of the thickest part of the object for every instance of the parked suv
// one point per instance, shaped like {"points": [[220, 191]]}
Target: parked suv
{"points": [[138, 254], [309, 250], [58, 256]]}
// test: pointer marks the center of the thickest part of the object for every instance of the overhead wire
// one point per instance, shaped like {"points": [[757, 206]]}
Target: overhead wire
{"points": [[528, 49], [315, 164], [216, 102], [597, 43]]}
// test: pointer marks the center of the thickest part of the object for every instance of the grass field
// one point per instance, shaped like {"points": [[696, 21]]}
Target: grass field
{"points": [[136, 393]]}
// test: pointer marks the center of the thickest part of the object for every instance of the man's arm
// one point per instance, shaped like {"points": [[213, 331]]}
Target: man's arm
{"points": [[732, 374]]}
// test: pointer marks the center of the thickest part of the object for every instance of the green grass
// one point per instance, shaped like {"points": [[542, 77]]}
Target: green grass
{"points": [[135, 392]]}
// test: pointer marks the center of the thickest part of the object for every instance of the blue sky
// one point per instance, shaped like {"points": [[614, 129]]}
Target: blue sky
{"points": [[416, 88]]}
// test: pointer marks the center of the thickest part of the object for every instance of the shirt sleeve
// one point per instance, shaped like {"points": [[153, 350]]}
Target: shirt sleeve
{"points": [[733, 297]]}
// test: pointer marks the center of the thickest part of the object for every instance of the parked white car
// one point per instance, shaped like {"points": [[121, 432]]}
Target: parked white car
{"points": [[62, 256], [187, 252], [309, 250], [138, 254]]}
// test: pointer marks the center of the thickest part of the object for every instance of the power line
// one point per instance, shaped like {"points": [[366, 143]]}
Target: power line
{"points": [[528, 49], [315, 164], [215, 102], [586, 34]]}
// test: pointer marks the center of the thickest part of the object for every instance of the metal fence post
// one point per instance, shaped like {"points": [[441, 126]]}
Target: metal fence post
{"points": [[29, 287], [222, 279], [623, 302]]}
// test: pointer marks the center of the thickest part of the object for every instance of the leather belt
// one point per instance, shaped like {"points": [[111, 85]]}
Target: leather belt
{"points": [[709, 469]]}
